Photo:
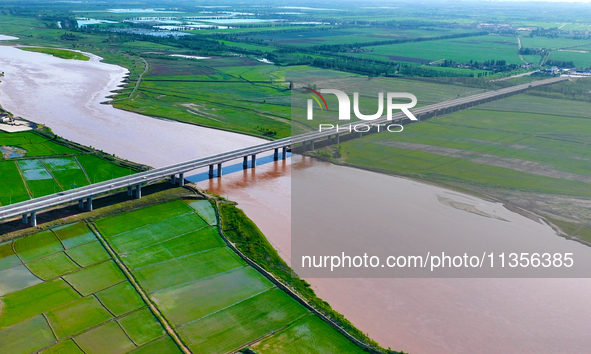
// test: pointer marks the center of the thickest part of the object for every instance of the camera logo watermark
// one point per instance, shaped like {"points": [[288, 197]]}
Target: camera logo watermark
{"points": [[345, 104]]}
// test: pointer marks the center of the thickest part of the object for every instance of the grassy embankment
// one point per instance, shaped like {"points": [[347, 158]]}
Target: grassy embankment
{"points": [[246, 236]]}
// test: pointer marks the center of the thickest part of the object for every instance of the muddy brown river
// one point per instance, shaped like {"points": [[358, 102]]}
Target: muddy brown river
{"points": [[414, 315]]}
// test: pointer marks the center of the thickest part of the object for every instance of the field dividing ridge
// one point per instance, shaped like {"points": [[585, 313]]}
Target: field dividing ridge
{"points": [[169, 329]]}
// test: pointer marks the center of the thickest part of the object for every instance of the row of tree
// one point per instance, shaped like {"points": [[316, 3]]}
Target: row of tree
{"points": [[348, 47]]}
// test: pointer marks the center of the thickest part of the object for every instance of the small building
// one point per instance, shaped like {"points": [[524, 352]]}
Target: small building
{"points": [[552, 70]]}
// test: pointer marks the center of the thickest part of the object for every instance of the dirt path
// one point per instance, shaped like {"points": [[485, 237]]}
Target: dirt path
{"points": [[139, 79], [519, 48]]}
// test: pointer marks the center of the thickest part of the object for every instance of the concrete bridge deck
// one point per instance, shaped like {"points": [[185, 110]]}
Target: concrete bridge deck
{"points": [[83, 195]]}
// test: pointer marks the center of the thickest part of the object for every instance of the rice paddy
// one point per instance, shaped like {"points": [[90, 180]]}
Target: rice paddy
{"points": [[80, 300], [48, 167], [71, 298]]}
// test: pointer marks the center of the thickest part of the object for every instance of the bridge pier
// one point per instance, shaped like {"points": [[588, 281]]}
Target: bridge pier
{"points": [[337, 138], [254, 161], [219, 170], [89, 203], [34, 219], [129, 191], [80, 203], [25, 218], [210, 171], [311, 145], [173, 179], [138, 191], [276, 154], [181, 179], [284, 153], [245, 163]]}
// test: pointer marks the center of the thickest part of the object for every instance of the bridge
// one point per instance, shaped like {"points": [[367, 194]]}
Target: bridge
{"points": [[304, 142]]}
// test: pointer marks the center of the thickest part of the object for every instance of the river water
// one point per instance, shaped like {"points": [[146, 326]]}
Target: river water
{"points": [[414, 315]]}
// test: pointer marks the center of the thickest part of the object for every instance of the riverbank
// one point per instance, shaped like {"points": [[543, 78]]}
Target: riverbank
{"points": [[250, 241], [68, 99]]}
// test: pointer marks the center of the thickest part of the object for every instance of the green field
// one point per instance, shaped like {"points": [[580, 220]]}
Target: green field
{"points": [[89, 310], [52, 266], [60, 53], [461, 50], [120, 298], [254, 108], [242, 323], [216, 302], [85, 303], [581, 56], [551, 43], [348, 36], [48, 167], [309, 334]]}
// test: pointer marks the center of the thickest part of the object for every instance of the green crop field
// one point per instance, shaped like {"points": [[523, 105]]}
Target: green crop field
{"points": [[141, 326], [94, 341], [460, 50], [43, 166], [185, 269], [62, 288], [551, 43], [187, 90], [95, 278], [347, 36], [204, 209], [52, 266], [27, 336], [74, 310], [74, 235], [149, 234], [77, 316], [88, 254], [185, 244], [65, 347], [215, 301], [309, 334], [242, 323], [215, 293], [120, 298], [581, 56]]}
